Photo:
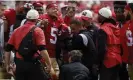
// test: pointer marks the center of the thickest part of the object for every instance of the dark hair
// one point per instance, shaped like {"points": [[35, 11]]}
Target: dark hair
{"points": [[128, 17], [76, 22], [70, 7], [74, 1], [131, 6], [109, 20], [120, 3], [75, 55]]}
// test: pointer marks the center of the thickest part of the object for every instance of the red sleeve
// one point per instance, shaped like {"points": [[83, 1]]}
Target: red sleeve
{"points": [[39, 36]]}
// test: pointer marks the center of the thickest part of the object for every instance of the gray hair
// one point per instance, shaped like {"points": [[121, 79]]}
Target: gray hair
{"points": [[75, 55]]}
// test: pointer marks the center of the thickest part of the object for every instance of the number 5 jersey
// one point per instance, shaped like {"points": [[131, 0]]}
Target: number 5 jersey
{"points": [[127, 42], [51, 33]]}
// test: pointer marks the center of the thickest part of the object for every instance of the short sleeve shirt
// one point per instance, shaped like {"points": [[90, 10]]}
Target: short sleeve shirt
{"points": [[21, 32]]}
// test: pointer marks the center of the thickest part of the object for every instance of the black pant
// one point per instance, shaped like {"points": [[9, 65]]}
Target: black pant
{"points": [[29, 71], [109, 73], [123, 73], [93, 72]]}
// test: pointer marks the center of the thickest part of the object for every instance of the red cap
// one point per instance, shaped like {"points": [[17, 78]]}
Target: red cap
{"points": [[127, 7], [86, 18], [51, 5], [37, 4]]}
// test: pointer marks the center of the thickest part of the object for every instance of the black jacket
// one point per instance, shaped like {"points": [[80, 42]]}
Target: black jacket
{"points": [[93, 32], [74, 71], [84, 42], [81, 41]]}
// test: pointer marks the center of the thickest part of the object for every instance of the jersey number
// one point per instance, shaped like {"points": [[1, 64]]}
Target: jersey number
{"points": [[53, 34], [129, 37]]}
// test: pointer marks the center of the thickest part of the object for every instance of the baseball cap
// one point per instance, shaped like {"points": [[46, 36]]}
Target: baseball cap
{"points": [[32, 14], [105, 12], [86, 14]]}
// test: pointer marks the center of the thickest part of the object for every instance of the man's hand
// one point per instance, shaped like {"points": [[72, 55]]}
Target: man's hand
{"points": [[49, 67], [44, 23]]}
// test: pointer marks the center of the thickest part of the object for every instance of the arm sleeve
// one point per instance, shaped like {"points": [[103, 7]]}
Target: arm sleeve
{"points": [[39, 37], [102, 42]]}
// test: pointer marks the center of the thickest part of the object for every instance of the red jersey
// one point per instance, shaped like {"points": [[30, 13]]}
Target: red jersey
{"points": [[51, 33], [127, 42]]}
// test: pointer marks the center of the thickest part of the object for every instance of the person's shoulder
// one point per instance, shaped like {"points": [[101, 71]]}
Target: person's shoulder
{"points": [[16, 31], [86, 33], [69, 65], [81, 67], [38, 29], [74, 64], [18, 28], [79, 64], [66, 67], [84, 67], [101, 32]]}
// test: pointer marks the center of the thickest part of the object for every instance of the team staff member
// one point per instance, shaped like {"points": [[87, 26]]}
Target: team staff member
{"points": [[119, 11], [88, 23], [74, 70], [27, 70], [127, 42], [81, 40], [86, 17], [121, 20], [108, 46]]}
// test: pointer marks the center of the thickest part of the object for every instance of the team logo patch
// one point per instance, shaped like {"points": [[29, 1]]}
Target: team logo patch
{"points": [[84, 13]]}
